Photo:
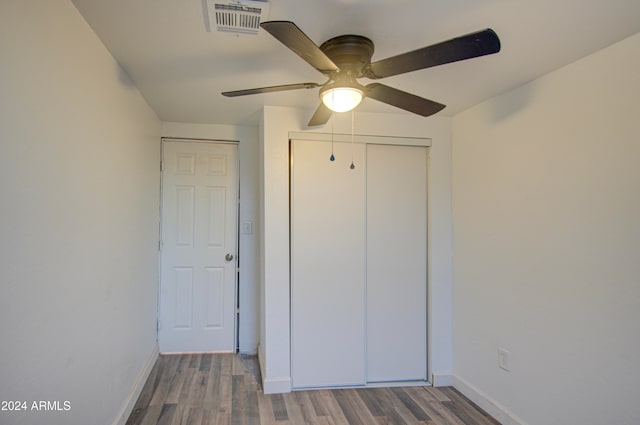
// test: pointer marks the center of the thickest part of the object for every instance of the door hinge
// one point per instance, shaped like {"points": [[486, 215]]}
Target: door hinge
{"points": [[161, 165], [159, 325], [160, 244]]}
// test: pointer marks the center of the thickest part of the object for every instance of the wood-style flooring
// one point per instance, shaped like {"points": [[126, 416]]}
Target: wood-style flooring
{"points": [[225, 389]]}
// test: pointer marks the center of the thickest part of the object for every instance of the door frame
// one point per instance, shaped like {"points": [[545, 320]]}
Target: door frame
{"points": [[236, 302]]}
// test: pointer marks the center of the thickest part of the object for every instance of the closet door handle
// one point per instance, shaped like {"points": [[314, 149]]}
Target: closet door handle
{"points": [[228, 257]]}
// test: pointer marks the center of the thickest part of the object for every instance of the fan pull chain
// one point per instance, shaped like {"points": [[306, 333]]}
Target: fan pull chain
{"points": [[332, 157], [353, 126]]}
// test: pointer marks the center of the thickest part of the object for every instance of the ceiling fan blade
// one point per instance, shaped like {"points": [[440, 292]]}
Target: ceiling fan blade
{"points": [[270, 89], [291, 36], [468, 46], [403, 100], [321, 116]]}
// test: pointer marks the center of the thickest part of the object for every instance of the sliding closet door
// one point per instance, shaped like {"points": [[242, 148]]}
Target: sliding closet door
{"points": [[327, 265], [396, 263]]}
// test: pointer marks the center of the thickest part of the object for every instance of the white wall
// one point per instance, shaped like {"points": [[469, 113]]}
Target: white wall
{"points": [[79, 152], [248, 153], [546, 218], [276, 124]]}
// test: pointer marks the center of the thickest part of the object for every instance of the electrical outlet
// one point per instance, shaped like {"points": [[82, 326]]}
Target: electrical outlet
{"points": [[504, 359]]}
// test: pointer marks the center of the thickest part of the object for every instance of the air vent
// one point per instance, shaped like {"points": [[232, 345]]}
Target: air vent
{"points": [[240, 17]]}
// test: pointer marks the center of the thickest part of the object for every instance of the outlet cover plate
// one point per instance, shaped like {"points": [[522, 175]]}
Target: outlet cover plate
{"points": [[504, 359]]}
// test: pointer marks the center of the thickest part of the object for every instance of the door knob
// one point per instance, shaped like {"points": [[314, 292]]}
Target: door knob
{"points": [[228, 257]]}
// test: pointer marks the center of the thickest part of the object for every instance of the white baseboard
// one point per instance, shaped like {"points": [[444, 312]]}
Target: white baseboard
{"points": [[276, 385], [272, 385], [130, 402], [492, 407], [442, 379], [263, 371]]}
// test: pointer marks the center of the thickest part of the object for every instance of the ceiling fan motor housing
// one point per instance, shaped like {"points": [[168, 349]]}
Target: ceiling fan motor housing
{"points": [[351, 53]]}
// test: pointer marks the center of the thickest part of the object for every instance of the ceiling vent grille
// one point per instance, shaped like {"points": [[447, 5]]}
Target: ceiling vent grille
{"points": [[240, 17]]}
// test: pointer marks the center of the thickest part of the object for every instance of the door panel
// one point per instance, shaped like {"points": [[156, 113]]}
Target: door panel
{"points": [[185, 207], [327, 265], [183, 299], [199, 227], [396, 263], [217, 197]]}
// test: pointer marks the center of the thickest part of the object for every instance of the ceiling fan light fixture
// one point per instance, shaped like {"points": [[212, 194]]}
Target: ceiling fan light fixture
{"points": [[342, 98]]}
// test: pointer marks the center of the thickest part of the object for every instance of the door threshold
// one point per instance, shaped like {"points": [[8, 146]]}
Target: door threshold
{"points": [[392, 384]]}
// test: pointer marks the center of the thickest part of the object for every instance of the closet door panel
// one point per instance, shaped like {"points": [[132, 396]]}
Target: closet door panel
{"points": [[327, 265], [396, 216]]}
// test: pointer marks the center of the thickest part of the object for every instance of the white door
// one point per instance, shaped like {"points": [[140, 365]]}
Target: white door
{"points": [[327, 265], [396, 263], [198, 250]]}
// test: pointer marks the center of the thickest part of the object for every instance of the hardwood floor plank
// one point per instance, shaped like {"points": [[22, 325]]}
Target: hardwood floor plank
{"points": [[188, 386], [195, 361], [136, 416], [439, 414], [175, 388], [306, 406], [462, 414], [388, 404], [226, 389], [213, 383], [194, 417], [319, 400], [183, 361], [436, 393], [237, 366], [462, 407], [223, 415], [323, 420], [467, 402], [153, 382], [151, 416], [208, 417], [169, 371], [205, 362], [265, 406], [179, 415], [362, 409], [167, 413], [349, 408], [251, 368], [237, 400], [293, 409], [373, 405], [415, 410], [333, 408], [279, 407], [198, 389], [252, 412]]}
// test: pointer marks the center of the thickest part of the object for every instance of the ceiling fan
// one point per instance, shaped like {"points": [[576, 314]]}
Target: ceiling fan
{"points": [[346, 58]]}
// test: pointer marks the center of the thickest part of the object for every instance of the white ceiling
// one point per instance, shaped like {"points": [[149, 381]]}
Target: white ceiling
{"points": [[181, 69]]}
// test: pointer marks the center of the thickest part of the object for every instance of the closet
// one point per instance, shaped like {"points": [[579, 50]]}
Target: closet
{"points": [[358, 262]]}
